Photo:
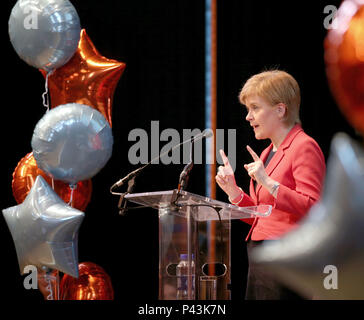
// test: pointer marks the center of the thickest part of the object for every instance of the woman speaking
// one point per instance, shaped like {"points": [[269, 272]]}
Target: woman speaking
{"points": [[288, 174]]}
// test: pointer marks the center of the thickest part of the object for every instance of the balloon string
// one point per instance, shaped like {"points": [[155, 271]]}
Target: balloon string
{"points": [[45, 96], [49, 288], [52, 285], [72, 187]]}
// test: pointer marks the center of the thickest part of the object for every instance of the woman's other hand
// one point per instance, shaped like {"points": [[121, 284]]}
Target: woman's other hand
{"points": [[225, 178]]}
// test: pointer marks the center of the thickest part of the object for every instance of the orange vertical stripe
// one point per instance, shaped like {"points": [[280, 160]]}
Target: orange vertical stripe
{"points": [[213, 124], [213, 91]]}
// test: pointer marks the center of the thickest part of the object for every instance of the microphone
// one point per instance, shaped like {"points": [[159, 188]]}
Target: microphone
{"points": [[127, 177], [185, 174], [204, 134]]}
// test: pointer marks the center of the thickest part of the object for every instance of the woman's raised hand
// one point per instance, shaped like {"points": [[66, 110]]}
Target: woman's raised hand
{"points": [[256, 169], [225, 178]]}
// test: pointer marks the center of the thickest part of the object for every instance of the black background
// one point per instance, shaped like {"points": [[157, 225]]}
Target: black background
{"points": [[162, 43]]}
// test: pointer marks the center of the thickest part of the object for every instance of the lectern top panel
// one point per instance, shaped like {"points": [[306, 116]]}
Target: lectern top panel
{"points": [[202, 206]]}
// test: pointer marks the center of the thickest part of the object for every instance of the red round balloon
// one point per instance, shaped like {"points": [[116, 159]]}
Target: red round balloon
{"points": [[344, 57], [27, 171], [93, 283]]}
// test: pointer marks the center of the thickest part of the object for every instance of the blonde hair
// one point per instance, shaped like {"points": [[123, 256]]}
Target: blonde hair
{"points": [[275, 86]]}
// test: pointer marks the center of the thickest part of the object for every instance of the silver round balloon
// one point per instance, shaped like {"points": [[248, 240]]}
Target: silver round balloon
{"points": [[44, 33], [72, 142]]}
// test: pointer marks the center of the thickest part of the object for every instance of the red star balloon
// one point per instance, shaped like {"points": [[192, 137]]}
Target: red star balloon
{"points": [[344, 57], [87, 78]]}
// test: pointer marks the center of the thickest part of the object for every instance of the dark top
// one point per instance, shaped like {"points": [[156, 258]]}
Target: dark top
{"points": [[270, 156]]}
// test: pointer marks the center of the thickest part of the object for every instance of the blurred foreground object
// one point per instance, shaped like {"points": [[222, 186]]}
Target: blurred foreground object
{"points": [[344, 57], [331, 235]]}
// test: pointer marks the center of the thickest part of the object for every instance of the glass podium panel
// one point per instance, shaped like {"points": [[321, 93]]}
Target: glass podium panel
{"points": [[194, 243], [160, 199]]}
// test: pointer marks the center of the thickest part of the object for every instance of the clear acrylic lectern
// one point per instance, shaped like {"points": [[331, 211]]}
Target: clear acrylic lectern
{"points": [[197, 228]]}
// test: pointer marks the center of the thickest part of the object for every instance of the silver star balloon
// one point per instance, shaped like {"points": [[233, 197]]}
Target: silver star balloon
{"points": [[45, 230], [324, 257]]}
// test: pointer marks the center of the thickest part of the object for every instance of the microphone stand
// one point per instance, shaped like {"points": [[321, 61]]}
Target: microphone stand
{"points": [[122, 205], [185, 174], [182, 184]]}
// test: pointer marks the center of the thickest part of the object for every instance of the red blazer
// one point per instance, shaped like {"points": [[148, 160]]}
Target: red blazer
{"points": [[299, 167]]}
